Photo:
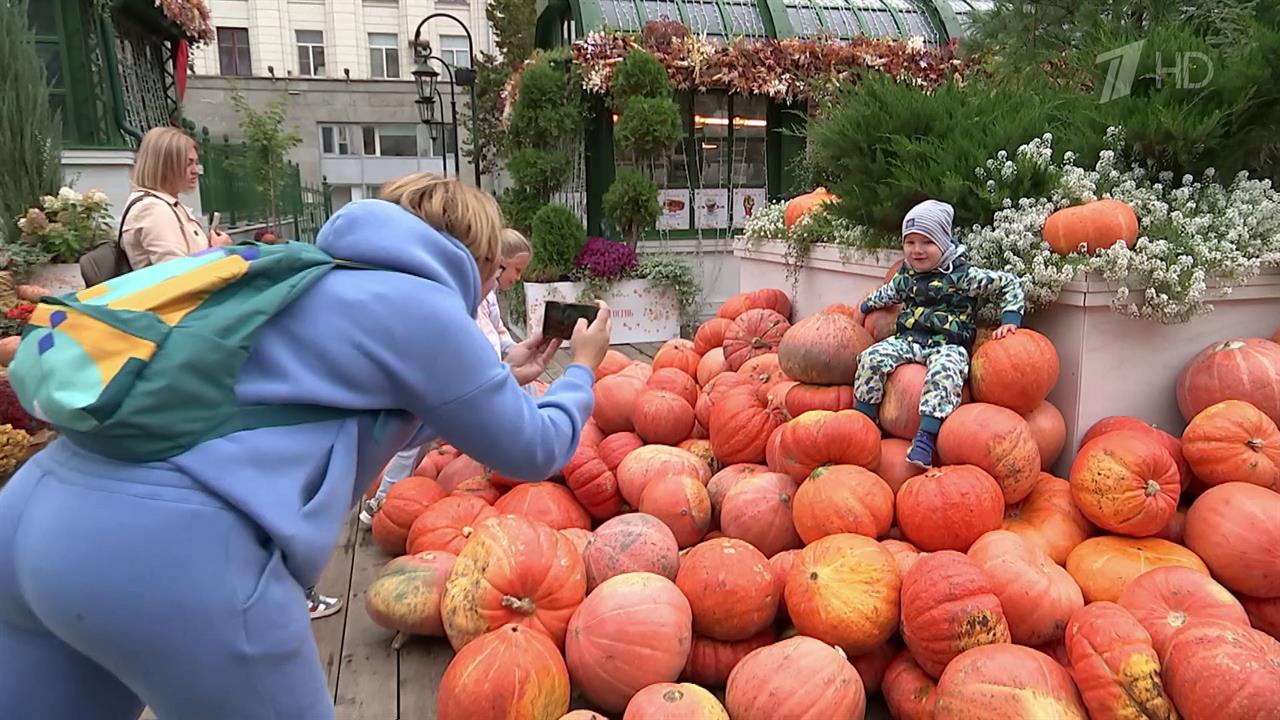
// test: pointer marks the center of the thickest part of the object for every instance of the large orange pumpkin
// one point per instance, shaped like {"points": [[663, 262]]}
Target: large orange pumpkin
{"points": [[634, 542], [1168, 598], [1037, 595], [614, 362], [579, 538], [1016, 371], [677, 353], [711, 660], [909, 692], [781, 565], [592, 482], [1219, 670], [448, 524], [765, 298], [729, 585], [764, 372], [1009, 681], [843, 589], [1049, 430], [948, 607], [674, 701], [893, 466], [823, 349], [645, 464], [638, 369], [1264, 614], [871, 666], [1245, 369], [1133, 424], [798, 679], [755, 332], [547, 502], [405, 501], [1115, 668], [634, 630], [1048, 518], [701, 449], [843, 499], [710, 335], [741, 423], [949, 507], [583, 715], [711, 365], [801, 205], [799, 398], [713, 390], [900, 407], [904, 554], [513, 570], [995, 439], [758, 509], [682, 502], [514, 671], [406, 595], [662, 417], [722, 482], [674, 381], [616, 397], [1234, 528], [1233, 441], [439, 457], [480, 486], [1096, 225], [822, 437], [1125, 483], [616, 447], [1103, 566]]}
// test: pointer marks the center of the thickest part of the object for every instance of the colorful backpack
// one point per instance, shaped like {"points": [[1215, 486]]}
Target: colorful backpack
{"points": [[143, 367]]}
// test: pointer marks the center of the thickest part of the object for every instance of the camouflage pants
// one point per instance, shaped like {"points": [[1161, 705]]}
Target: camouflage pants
{"points": [[948, 368]]}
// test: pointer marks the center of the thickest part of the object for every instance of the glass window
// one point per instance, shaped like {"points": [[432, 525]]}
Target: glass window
{"points": [[43, 17], [804, 19], [661, 10], [745, 18], [878, 20], [840, 20], [711, 138], [704, 17], [621, 14], [51, 57], [454, 50], [335, 140], [750, 126], [233, 51], [390, 140], [441, 141], [310, 53], [918, 24], [384, 56]]}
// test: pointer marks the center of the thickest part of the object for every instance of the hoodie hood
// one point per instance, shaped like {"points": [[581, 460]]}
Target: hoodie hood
{"points": [[387, 236]]}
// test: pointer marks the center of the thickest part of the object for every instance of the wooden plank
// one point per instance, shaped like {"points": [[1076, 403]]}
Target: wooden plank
{"points": [[369, 676], [632, 352], [649, 349], [422, 664], [336, 582]]}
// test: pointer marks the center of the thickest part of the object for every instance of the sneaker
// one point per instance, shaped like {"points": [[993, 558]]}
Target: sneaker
{"points": [[371, 508], [921, 452], [322, 606]]}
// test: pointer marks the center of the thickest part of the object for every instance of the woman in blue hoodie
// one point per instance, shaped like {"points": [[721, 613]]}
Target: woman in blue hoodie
{"points": [[179, 584]]}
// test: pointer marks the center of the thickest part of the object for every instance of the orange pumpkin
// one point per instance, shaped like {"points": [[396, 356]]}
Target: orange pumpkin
{"points": [[1049, 430], [823, 349], [798, 398], [909, 692], [755, 332], [514, 671], [1167, 598], [633, 631], [634, 542], [682, 502], [439, 457], [1125, 483], [616, 397], [713, 390], [781, 565], [801, 205], [406, 595], [1115, 668], [765, 298], [583, 715], [711, 660], [1175, 530], [758, 509], [843, 499], [677, 353], [1096, 225], [1217, 669], [893, 466], [741, 423], [722, 482], [763, 371], [513, 570], [614, 362], [701, 449], [1007, 681], [1233, 441], [1016, 371], [480, 486], [579, 538], [672, 701], [1048, 518], [995, 439], [949, 507], [1132, 424], [871, 666], [729, 585], [405, 501], [1264, 614], [710, 335], [1234, 528], [592, 483], [674, 381], [948, 607], [448, 524], [638, 369], [547, 502], [662, 417], [818, 683], [1103, 566], [711, 365], [882, 323], [616, 447], [822, 437], [843, 589], [1245, 369], [1037, 596], [900, 408], [904, 554], [645, 464]]}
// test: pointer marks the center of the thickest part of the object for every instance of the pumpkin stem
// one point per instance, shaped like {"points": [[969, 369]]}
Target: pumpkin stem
{"points": [[1254, 444], [1153, 488], [524, 606], [399, 640]]}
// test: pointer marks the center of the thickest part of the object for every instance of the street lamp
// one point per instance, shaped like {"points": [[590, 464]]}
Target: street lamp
{"points": [[463, 76]]}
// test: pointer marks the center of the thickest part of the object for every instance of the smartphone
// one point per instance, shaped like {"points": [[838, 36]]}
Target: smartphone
{"points": [[558, 319], [215, 219]]}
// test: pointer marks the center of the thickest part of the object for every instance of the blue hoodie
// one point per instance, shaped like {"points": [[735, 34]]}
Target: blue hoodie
{"points": [[401, 343]]}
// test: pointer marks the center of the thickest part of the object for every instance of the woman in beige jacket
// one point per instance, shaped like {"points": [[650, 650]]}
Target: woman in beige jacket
{"points": [[156, 226]]}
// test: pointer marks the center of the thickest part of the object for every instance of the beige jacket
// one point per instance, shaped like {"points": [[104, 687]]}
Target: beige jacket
{"points": [[160, 228]]}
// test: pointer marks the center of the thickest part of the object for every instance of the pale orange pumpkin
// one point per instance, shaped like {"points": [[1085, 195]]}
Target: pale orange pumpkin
{"points": [[842, 499], [843, 589], [1049, 430], [634, 542], [893, 466], [1245, 369], [1168, 598], [730, 588], [680, 501], [1232, 441], [1037, 596], [909, 692], [818, 683], [758, 510], [711, 660], [823, 349], [995, 439], [1096, 225], [616, 397], [711, 365], [1103, 566], [1217, 669], [614, 362], [1005, 680], [1234, 528], [1049, 518], [514, 671], [674, 701], [645, 464], [1125, 483]]}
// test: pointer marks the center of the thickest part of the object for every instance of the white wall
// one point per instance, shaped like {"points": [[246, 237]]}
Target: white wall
{"points": [[108, 170]]}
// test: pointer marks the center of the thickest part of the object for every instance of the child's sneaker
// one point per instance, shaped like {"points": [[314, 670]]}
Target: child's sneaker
{"points": [[322, 606], [370, 508], [921, 453]]}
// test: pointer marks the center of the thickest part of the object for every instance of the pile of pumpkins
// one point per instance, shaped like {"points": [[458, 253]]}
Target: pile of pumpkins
{"points": [[732, 540]]}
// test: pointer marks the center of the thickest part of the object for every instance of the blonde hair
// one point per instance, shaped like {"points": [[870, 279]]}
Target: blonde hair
{"points": [[514, 244], [469, 215], [162, 159]]}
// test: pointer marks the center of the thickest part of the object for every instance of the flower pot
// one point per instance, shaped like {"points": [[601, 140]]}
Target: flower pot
{"points": [[641, 312], [58, 278]]}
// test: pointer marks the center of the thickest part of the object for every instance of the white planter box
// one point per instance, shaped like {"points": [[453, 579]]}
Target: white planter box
{"points": [[640, 313], [1110, 364], [714, 266], [58, 278]]}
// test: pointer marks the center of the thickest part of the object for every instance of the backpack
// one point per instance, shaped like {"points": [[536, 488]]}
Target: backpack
{"points": [[107, 259], [143, 367]]}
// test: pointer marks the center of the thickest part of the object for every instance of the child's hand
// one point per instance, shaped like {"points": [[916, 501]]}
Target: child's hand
{"points": [[1003, 331]]}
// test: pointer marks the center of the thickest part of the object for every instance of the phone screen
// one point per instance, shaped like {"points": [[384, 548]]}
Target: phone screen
{"points": [[558, 318]]}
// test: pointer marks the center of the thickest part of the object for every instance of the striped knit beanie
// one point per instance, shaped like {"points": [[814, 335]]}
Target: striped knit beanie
{"points": [[931, 218]]}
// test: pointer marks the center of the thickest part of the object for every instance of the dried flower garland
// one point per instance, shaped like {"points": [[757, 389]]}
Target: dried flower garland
{"points": [[190, 15]]}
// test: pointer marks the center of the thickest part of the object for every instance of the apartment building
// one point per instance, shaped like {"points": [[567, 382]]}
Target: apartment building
{"points": [[345, 69]]}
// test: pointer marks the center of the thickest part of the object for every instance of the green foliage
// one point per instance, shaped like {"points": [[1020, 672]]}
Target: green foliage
{"points": [[548, 108], [519, 205], [540, 171], [513, 24], [558, 236], [639, 75], [30, 133], [648, 127], [632, 204], [267, 142]]}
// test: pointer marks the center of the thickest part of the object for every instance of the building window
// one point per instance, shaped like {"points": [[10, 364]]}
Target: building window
{"points": [[335, 140], [233, 51], [384, 56], [310, 53], [453, 48], [441, 141], [390, 140]]}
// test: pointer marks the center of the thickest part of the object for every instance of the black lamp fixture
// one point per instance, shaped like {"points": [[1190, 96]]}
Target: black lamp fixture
{"points": [[426, 78]]}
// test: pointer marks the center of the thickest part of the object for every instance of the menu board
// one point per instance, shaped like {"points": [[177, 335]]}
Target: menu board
{"points": [[747, 202], [712, 208], [675, 209]]}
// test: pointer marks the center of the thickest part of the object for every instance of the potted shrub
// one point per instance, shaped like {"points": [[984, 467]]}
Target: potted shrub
{"points": [[62, 229]]}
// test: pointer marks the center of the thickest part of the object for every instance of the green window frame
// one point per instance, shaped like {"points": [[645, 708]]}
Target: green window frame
{"points": [[713, 18]]}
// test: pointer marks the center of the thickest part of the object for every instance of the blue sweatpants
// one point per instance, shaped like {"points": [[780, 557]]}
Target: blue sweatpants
{"points": [[117, 593]]}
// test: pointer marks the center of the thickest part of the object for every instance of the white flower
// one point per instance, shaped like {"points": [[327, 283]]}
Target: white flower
{"points": [[68, 195]]}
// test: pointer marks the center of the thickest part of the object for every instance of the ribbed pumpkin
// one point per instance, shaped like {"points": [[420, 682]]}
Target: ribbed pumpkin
{"points": [[1264, 614], [681, 501], [822, 437], [448, 524], [1116, 669], [1168, 598], [633, 631], [616, 447], [1037, 595], [823, 349], [711, 365], [949, 507], [677, 353], [583, 715], [893, 467], [614, 362], [909, 692], [547, 502], [513, 570], [995, 439], [741, 423], [904, 554], [1103, 566], [755, 332], [723, 481], [1049, 430], [1245, 369], [710, 335], [1125, 483], [843, 589], [1048, 518], [616, 397], [645, 464], [900, 408], [765, 298], [405, 501], [638, 369], [674, 381], [948, 607], [801, 205], [1234, 528], [842, 499], [1097, 225], [1008, 681], [634, 542], [662, 417], [514, 671], [439, 457], [1215, 669], [781, 565], [480, 486], [758, 510], [713, 390], [674, 701], [579, 538], [1016, 371], [798, 679], [701, 449], [406, 595], [729, 585], [883, 322], [592, 482], [711, 660], [799, 398], [1133, 424], [764, 372], [591, 433], [1232, 441]]}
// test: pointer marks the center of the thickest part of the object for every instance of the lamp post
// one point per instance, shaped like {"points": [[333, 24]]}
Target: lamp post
{"points": [[427, 80], [463, 76]]}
